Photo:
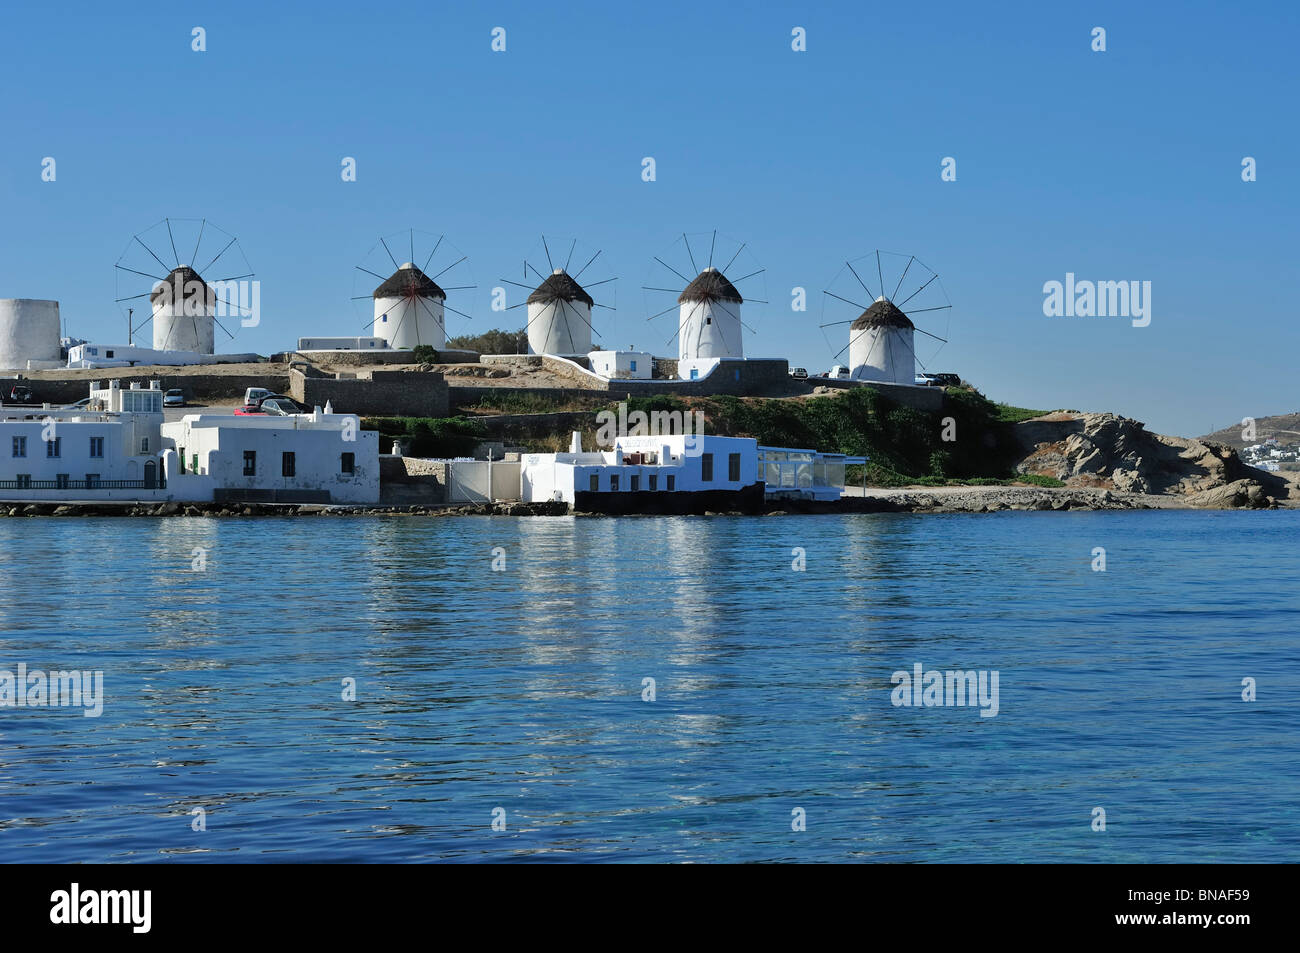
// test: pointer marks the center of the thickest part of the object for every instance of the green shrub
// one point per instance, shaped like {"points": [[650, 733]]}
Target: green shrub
{"points": [[430, 436], [493, 342]]}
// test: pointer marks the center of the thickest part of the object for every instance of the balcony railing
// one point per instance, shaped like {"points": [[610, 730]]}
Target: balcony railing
{"points": [[158, 484]]}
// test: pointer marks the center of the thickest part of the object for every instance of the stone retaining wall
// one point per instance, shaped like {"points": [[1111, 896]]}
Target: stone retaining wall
{"points": [[375, 393]]}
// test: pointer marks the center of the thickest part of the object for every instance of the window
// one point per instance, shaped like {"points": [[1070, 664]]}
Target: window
{"points": [[92, 481], [595, 483], [654, 481], [144, 444], [96, 446], [709, 319], [194, 462], [349, 464], [250, 463], [108, 353], [181, 457], [635, 483], [634, 365], [706, 467], [613, 482], [672, 482], [24, 481], [20, 446], [60, 481], [733, 467], [287, 466], [54, 448]]}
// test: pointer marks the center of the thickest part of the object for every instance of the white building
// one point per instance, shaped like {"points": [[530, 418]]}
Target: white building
{"points": [[184, 309], [106, 451], [719, 472], [881, 345], [559, 316], [709, 324], [636, 365], [118, 448], [409, 310], [29, 334], [342, 344], [302, 458], [88, 354]]}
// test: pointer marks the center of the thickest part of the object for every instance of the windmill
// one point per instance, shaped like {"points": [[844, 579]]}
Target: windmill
{"points": [[882, 335], [709, 325], [559, 308], [409, 305], [184, 304]]}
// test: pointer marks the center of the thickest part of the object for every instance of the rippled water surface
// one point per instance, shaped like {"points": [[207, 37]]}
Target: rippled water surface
{"points": [[523, 689]]}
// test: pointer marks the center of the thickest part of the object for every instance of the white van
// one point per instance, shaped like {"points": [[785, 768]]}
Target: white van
{"points": [[254, 395], [839, 373]]}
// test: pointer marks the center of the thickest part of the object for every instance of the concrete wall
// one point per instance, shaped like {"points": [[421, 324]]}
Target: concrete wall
{"points": [[375, 393], [754, 377], [366, 357], [201, 388]]}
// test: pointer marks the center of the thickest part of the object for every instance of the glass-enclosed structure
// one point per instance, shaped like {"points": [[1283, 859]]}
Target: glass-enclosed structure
{"points": [[803, 473]]}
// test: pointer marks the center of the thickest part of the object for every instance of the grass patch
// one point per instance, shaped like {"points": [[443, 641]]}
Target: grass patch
{"points": [[1034, 479]]}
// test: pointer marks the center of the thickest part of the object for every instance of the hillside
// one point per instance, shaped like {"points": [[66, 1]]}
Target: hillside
{"points": [[1285, 427]]}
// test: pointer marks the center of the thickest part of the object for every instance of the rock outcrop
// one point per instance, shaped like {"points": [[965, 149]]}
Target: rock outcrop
{"points": [[1118, 453]]}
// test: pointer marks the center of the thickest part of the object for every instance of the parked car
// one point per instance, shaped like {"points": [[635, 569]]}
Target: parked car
{"points": [[246, 409], [21, 394], [926, 380], [254, 396], [839, 373], [174, 398], [277, 405], [948, 380], [799, 373]]}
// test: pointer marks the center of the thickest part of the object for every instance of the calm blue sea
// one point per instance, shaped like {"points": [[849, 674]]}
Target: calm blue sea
{"points": [[522, 689]]}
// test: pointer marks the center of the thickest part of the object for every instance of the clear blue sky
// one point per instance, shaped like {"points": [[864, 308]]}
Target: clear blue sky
{"points": [[1117, 165]]}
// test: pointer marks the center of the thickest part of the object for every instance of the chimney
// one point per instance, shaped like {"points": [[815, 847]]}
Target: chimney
{"points": [[575, 442]]}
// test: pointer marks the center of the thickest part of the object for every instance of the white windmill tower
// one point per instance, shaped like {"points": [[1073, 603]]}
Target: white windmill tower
{"points": [[559, 308], [184, 312], [409, 309], [409, 306], [882, 338], [709, 323], [881, 345], [185, 307]]}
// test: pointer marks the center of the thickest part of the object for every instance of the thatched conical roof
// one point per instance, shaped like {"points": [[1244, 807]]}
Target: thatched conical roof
{"points": [[883, 313], [560, 287], [710, 285], [179, 286], [408, 281]]}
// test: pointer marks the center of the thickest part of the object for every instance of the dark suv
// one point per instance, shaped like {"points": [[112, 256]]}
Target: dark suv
{"points": [[22, 394], [947, 380]]}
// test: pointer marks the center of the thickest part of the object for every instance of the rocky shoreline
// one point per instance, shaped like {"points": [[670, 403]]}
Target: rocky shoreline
{"points": [[944, 499]]}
